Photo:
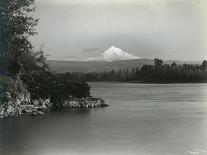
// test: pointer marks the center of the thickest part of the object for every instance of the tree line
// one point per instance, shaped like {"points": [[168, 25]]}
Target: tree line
{"points": [[159, 72]]}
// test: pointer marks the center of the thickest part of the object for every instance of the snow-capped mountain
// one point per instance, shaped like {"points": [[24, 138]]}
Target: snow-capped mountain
{"points": [[113, 54]]}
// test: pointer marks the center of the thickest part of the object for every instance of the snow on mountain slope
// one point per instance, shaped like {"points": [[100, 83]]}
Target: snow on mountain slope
{"points": [[113, 54]]}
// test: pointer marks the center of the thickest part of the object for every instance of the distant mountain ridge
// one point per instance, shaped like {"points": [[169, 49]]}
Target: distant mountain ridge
{"points": [[113, 54], [59, 66]]}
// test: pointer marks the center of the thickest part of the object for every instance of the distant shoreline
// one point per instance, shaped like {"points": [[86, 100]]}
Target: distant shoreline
{"points": [[142, 82]]}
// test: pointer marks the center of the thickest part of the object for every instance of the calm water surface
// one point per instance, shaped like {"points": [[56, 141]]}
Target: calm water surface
{"points": [[143, 119]]}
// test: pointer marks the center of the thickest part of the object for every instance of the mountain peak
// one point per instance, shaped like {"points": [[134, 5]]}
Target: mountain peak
{"points": [[112, 48], [113, 51], [113, 54]]}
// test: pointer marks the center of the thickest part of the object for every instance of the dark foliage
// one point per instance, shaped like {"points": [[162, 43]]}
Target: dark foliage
{"points": [[18, 58], [159, 72], [174, 73], [16, 26], [46, 85], [21, 63]]}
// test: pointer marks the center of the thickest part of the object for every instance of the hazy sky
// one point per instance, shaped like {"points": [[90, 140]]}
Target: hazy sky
{"points": [[167, 29]]}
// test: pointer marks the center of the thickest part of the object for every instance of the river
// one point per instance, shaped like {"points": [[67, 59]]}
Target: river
{"points": [[143, 119]]}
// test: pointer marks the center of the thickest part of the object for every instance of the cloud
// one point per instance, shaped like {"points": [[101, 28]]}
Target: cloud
{"points": [[90, 50]]}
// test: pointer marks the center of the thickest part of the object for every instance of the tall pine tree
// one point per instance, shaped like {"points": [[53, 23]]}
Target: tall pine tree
{"points": [[16, 26]]}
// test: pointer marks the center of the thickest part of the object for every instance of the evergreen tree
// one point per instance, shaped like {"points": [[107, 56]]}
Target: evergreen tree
{"points": [[204, 64], [158, 62], [16, 26]]}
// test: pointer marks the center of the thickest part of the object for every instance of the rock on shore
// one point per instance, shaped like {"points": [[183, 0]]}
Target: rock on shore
{"points": [[87, 102], [38, 107], [15, 100], [13, 109]]}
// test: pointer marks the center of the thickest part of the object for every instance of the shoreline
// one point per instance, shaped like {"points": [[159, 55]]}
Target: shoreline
{"points": [[43, 94], [41, 107], [142, 82]]}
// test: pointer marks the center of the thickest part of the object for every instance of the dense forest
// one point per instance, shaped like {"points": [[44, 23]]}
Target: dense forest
{"points": [[159, 72]]}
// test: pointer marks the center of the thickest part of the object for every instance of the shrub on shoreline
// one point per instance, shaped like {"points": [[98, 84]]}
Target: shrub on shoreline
{"points": [[47, 85]]}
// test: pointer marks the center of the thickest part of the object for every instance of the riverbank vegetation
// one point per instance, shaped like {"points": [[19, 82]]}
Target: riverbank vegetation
{"points": [[157, 73], [26, 83], [20, 62]]}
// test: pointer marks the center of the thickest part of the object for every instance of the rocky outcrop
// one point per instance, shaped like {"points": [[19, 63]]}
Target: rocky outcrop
{"points": [[15, 100], [18, 107], [8, 110], [88, 102], [38, 107]]}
